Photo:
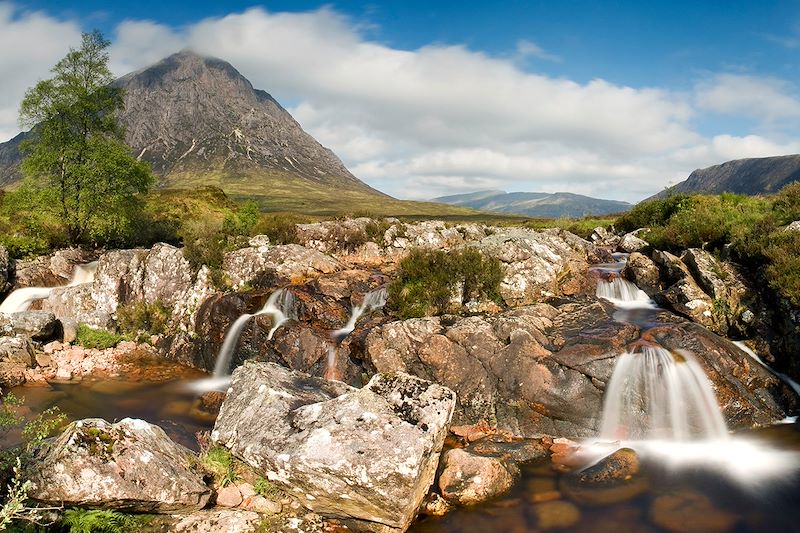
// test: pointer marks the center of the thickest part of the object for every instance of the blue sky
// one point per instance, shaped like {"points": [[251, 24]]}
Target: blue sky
{"points": [[615, 99]]}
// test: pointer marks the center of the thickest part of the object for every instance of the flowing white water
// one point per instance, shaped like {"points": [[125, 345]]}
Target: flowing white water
{"points": [[21, 299], [372, 300], [280, 305], [624, 294], [658, 394], [783, 377]]}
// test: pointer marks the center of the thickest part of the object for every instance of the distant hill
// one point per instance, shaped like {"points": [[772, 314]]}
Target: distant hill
{"points": [[536, 204], [762, 175], [199, 122]]}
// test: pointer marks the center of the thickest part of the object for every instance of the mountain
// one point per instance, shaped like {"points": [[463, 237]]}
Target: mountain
{"points": [[536, 204], [199, 122], [762, 175]]}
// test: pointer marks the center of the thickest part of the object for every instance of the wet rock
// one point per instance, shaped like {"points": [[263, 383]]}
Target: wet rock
{"points": [[630, 243], [227, 520], [229, 496], [643, 272], [366, 454], [130, 465], [37, 325], [621, 465], [556, 515], [287, 263], [469, 479], [605, 493], [542, 489], [537, 264], [690, 512], [435, 505]]}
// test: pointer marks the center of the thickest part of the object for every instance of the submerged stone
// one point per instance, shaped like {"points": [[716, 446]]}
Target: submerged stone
{"points": [[469, 479]]}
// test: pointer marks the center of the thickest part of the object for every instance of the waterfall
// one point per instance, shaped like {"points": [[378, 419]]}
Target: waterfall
{"points": [[372, 300], [21, 299], [621, 291], [783, 377], [657, 394], [280, 305]]}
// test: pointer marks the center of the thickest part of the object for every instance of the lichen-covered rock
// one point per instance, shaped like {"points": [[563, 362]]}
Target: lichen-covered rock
{"points": [[37, 325], [602, 237], [265, 265], [685, 297], [130, 465], [365, 454], [16, 349], [643, 272], [469, 479], [6, 272], [537, 264], [217, 521], [167, 275], [630, 243]]}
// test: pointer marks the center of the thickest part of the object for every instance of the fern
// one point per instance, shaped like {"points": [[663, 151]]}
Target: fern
{"points": [[97, 521]]}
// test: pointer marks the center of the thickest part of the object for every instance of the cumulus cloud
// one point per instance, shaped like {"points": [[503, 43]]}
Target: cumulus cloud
{"points": [[32, 42], [442, 119], [768, 100]]}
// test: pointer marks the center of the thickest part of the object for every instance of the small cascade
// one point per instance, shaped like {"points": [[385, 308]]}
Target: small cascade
{"points": [[280, 305], [622, 292], [783, 377], [372, 300], [21, 299], [657, 394]]}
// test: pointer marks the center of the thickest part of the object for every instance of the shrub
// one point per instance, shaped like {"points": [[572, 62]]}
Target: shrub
{"points": [[280, 228], [376, 229], [140, 317], [204, 242], [783, 272], [655, 212], [96, 338], [433, 282]]}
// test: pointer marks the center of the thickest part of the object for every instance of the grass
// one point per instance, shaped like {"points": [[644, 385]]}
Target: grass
{"points": [[221, 464], [99, 339], [99, 521], [139, 318]]}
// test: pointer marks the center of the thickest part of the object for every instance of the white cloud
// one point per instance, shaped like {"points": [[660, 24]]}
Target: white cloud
{"points": [[526, 48], [446, 119], [32, 42], [768, 100]]}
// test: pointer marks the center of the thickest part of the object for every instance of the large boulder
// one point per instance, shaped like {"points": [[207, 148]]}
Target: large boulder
{"points": [[367, 455], [265, 266], [167, 275], [630, 242], [537, 264], [643, 272], [469, 479], [130, 465], [16, 356], [37, 325]]}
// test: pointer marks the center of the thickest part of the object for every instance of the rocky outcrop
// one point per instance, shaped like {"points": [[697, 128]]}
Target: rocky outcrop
{"points": [[50, 271], [267, 266], [130, 465], [16, 357], [36, 325], [6, 270], [630, 242], [365, 454], [643, 272], [537, 265]]}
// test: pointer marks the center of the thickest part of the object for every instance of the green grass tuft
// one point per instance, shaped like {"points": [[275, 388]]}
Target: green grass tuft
{"points": [[99, 339]]}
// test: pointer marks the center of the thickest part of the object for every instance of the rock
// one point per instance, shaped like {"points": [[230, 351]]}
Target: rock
{"points": [[69, 329], [130, 465], [43, 359], [631, 243], [794, 226], [685, 297], [37, 325], [671, 267], [260, 504], [12, 374], [602, 237], [229, 496], [366, 454], [690, 512], [167, 275], [643, 272], [263, 266], [435, 505], [16, 349], [469, 479], [621, 465], [556, 515], [537, 265], [6, 272], [259, 241], [214, 521]]}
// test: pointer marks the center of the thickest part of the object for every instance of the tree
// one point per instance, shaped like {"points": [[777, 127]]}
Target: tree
{"points": [[77, 159]]}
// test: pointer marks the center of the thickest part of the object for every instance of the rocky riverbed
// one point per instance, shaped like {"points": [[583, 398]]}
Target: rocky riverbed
{"points": [[426, 415]]}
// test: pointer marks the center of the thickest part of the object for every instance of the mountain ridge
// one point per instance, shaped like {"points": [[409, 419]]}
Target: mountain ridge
{"points": [[536, 204]]}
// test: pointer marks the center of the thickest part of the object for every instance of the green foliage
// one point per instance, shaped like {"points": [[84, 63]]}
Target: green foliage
{"points": [[243, 221], [376, 229], [98, 521], [654, 212], [203, 242], [581, 227], [783, 273], [139, 318], [100, 339], [266, 488], [220, 462], [429, 282], [77, 165], [43, 426], [280, 227]]}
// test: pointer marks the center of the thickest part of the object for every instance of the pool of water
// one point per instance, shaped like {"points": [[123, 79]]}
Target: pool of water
{"points": [[665, 497]]}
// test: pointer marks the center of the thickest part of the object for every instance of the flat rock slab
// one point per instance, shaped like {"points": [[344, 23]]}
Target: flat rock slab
{"points": [[366, 455], [130, 465]]}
